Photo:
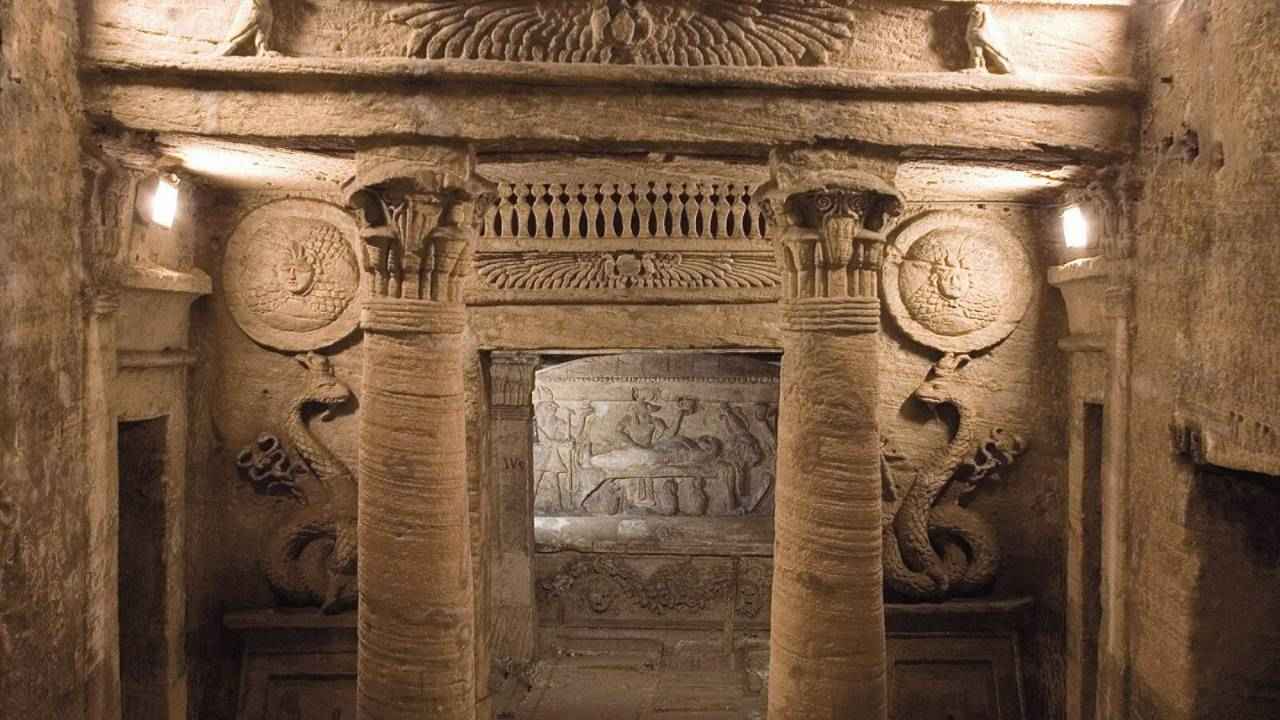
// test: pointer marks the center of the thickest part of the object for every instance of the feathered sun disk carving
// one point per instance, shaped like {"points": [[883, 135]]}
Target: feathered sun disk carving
{"points": [[641, 32]]}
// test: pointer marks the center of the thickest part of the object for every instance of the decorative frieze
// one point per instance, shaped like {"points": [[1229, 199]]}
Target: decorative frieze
{"points": [[626, 270], [625, 211], [640, 32]]}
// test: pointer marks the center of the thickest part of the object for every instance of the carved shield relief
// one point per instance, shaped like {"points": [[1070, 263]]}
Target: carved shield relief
{"points": [[956, 283], [291, 275]]}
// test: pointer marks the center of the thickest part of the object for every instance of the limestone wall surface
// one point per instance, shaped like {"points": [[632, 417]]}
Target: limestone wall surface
{"points": [[246, 389], [1205, 592], [45, 660]]}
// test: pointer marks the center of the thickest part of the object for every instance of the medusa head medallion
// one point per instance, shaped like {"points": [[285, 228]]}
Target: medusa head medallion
{"points": [[291, 275], [956, 283]]}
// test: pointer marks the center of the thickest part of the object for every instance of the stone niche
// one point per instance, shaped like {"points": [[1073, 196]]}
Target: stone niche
{"points": [[667, 434]]}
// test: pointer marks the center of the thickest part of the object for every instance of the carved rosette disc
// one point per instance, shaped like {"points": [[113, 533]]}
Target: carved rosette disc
{"points": [[956, 283], [291, 275]]}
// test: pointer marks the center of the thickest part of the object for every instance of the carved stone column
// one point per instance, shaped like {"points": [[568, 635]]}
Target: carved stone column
{"points": [[416, 621], [1115, 208], [827, 637], [511, 378]]}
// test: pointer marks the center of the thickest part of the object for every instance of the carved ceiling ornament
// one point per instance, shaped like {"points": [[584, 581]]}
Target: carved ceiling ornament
{"points": [[291, 275], [956, 283], [638, 32]]}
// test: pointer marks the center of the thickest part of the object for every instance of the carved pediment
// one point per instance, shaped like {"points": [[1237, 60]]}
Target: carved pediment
{"points": [[639, 32]]}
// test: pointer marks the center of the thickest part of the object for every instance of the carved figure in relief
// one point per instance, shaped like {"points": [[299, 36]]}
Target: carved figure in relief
{"points": [[291, 275], [553, 452], [599, 585], [964, 285], [983, 39], [251, 28], [934, 547], [310, 558]]}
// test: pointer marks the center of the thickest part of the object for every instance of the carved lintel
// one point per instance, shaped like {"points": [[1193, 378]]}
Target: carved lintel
{"points": [[511, 380], [832, 220], [420, 210], [1233, 442]]}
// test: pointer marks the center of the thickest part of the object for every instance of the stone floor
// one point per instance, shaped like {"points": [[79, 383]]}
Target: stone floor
{"points": [[636, 679]]}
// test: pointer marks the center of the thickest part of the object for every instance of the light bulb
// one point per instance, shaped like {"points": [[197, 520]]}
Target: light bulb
{"points": [[164, 203], [1075, 227]]}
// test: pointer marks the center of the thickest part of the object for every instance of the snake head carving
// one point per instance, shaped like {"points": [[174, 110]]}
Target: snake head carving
{"points": [[324, 388], [937, 388]]}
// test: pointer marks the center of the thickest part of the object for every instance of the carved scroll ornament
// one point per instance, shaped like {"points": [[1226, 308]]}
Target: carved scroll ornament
{"points": [[956, 283], [640, 32], [291, 275]]}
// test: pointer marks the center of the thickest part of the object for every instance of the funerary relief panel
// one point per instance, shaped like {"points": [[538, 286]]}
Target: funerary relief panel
{"points": [[656, 434]]}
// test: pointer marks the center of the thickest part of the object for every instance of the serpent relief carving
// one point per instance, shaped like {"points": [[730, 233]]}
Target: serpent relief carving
{"points": [[934, 547], [310, 558]]}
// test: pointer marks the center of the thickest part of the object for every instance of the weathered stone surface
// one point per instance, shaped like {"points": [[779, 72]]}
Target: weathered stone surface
{"points": [[666, 434], [292, 275], [1004, 115], [1084, 37], [55, 659]]}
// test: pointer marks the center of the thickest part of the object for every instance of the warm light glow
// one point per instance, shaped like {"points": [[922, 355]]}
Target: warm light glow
{"points": [[164, 203], [1075, 227]]}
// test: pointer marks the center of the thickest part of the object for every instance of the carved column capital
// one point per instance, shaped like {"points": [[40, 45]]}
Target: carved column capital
{"points": [[420, 210], [511, 380], [829, 237]]}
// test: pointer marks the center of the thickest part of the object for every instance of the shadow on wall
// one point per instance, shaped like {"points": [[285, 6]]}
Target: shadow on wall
{"points": [[1234, 519]]}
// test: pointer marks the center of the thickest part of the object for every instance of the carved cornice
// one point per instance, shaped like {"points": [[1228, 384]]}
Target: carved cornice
{"points": [[832, 219], [639, 32], [1231, 440], [420, 209]]}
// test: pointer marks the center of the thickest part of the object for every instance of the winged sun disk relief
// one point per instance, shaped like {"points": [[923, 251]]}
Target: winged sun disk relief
{"points": [[558, 271], [656, 32]]}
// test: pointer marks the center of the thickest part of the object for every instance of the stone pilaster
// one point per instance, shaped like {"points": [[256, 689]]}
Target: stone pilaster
{"points": [[827, 637], [511, 378], [416, 625]]}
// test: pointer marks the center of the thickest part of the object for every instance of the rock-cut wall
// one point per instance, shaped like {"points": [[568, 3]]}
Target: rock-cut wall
{"points": [[44, 661]]}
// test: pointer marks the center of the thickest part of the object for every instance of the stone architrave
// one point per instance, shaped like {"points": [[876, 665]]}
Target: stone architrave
{"points": [[956, 283], [291, 275], [827, 628], [416, 623]]}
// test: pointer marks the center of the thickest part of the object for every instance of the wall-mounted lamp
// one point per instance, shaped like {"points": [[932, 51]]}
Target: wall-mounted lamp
{"points": [[164, 201], [1075, 227]]}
